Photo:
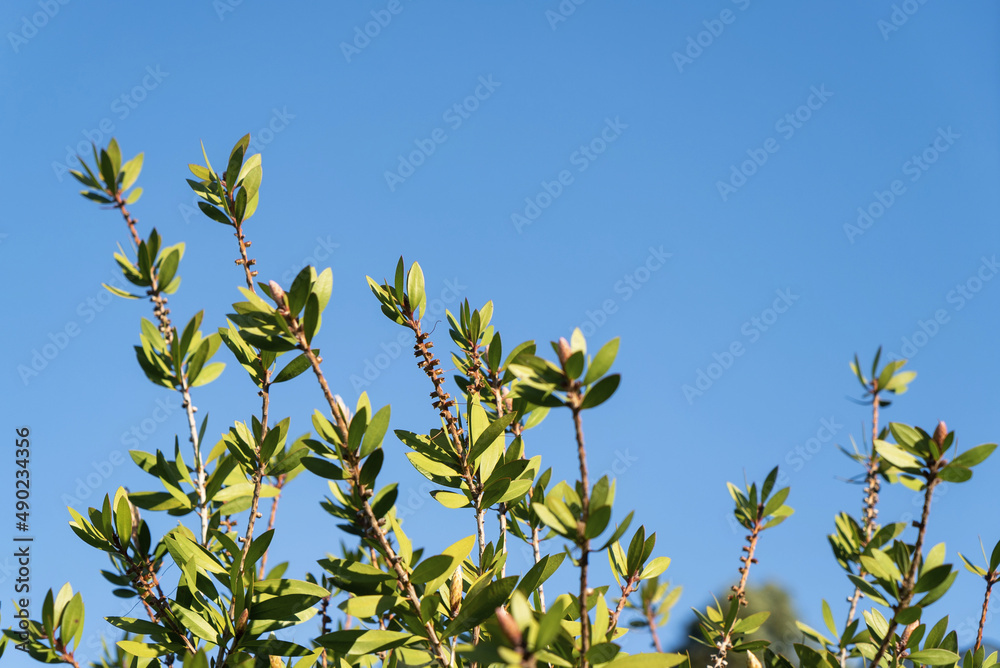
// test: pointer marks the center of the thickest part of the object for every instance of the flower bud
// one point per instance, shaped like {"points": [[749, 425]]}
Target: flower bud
{"points": [[241, 624], [455, 593], [276, 292], [564, 350], [940, 433], [509, 626]]}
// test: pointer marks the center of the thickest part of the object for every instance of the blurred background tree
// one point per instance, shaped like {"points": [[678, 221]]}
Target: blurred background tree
{"points": [[779, 629]]}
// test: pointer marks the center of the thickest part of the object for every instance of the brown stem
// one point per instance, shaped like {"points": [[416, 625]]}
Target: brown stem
{"points": [[270, 521], [990, 580], [502, 517], [869, 512], [143, 581], [199, 465], [739, 591], [244, 261], [156, 297], [375, 529], [258, 481], [906, 591], [443, 402], [576, 399], [129, 220], [627, 589], [535, 540], [651, 620]]}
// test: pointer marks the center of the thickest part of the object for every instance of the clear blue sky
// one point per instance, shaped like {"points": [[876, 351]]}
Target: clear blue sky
{"points": [[659, 232]]}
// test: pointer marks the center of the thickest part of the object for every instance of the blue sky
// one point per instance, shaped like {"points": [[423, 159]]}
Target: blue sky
{"points": [[673, 175]]}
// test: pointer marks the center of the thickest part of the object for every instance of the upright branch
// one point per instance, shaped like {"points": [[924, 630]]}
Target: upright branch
{"points": [[991, 579], [154, 291], [756, 511], [536, 549], [650, 615], [352, 466], [889, 380], [931, 474], [574, 399], [444, 404], [199, 464], [869, 511]]}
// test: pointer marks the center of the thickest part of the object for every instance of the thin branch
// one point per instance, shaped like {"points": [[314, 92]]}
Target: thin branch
{"points": [[270, 522], [582, 539], [627, 588], [651, 620], [739, 591], [443, 402], [156, 297], [199, 465], [991, 579], [374, 528], [538, 557], [906, 591], [869, 512]]}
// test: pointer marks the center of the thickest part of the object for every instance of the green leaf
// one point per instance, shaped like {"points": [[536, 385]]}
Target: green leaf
{"points": [[415, 290], [131, 171], [602, 361], [311, 318], [896, 455], [655, 568], [952, 473], [143, 650], [480, 606], [489, 435], [601, 391], [323, 287], [451, 499], [751, 623], [71, 623], [293, 368], [657, 660], [973, 456], [324, 468], [195, 623], [208, 373], [214, 214], [356, 642], [934, 657], [540, 572], [375, 432]]}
